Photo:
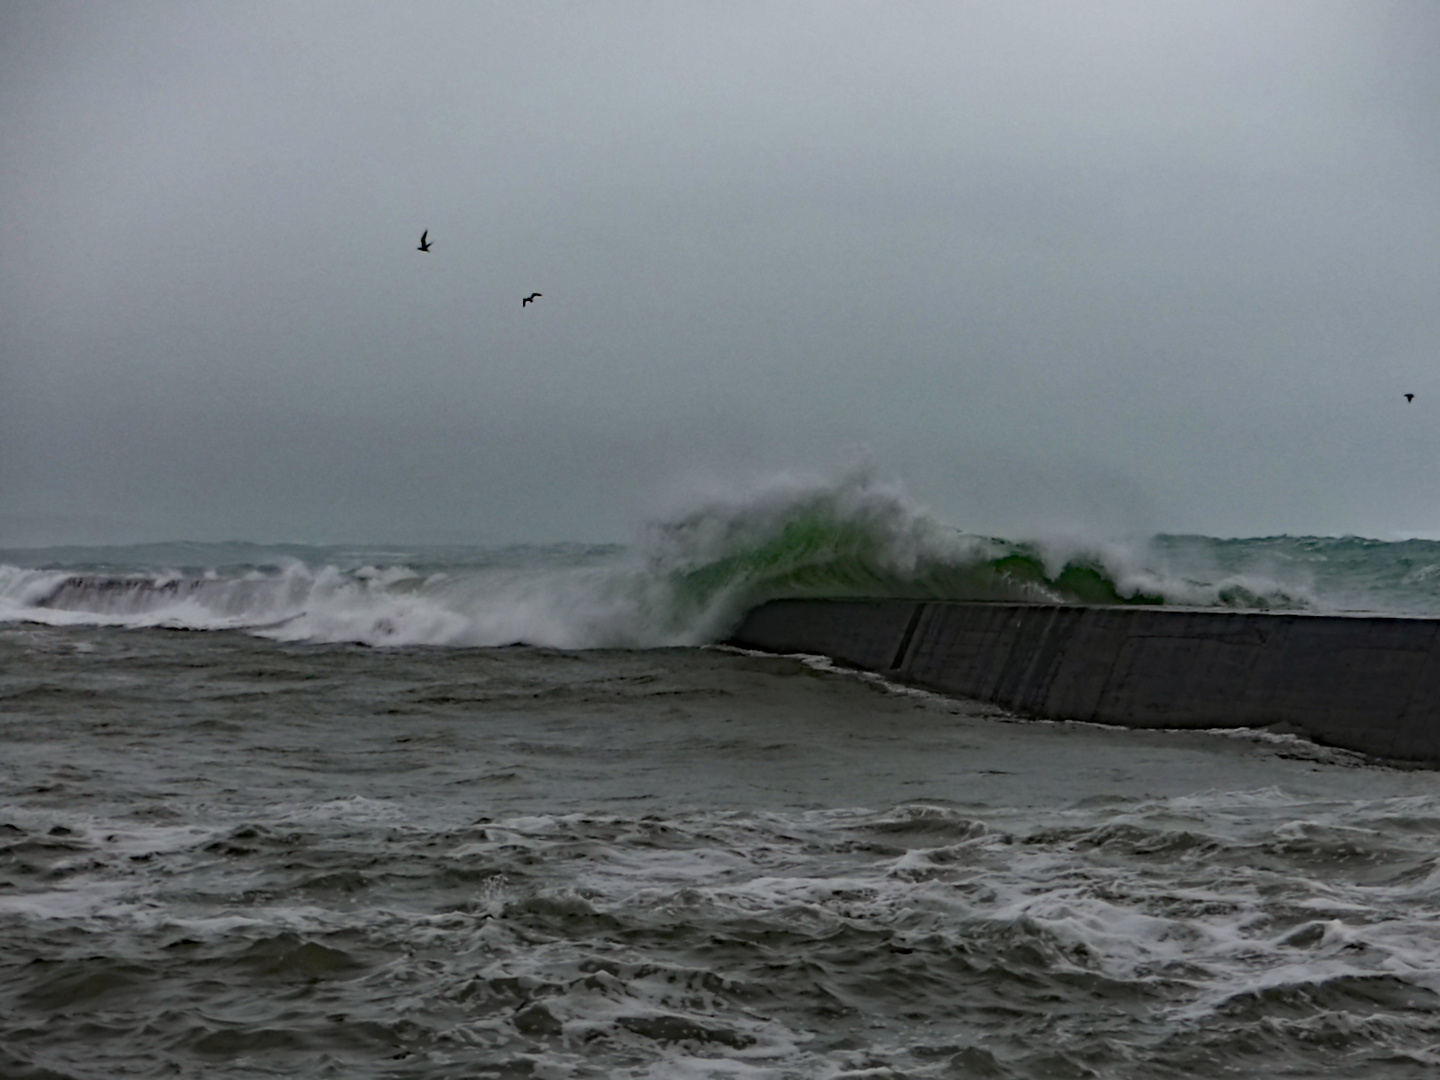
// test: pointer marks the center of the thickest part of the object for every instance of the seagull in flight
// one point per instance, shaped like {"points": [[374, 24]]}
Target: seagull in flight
{"points": [[530, 299], [424, 244], [1409, 397]]}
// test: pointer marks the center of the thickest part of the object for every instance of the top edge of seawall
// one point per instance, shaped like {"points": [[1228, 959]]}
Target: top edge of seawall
{"points": [[1278, 613]]}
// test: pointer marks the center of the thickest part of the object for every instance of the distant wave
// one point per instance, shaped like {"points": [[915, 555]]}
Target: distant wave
{"points": [[690, 578]]}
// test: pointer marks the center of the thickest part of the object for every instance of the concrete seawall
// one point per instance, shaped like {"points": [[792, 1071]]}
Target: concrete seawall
{"points": [[1366, 683]]}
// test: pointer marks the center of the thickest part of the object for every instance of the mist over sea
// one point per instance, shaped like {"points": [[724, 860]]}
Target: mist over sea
{"points": [[277, 810]]}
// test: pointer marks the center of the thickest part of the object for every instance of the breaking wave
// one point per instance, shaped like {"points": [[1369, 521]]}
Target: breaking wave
{"points": [[687, 580]]}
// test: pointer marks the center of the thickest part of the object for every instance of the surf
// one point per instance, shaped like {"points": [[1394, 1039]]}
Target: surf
{"points": [[689, 576]]}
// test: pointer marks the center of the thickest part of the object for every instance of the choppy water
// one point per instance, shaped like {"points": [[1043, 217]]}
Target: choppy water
{"points": [[237, 840], [222, 856]]}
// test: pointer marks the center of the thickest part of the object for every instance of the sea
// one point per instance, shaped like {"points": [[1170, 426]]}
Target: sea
{"points": [[400, 811]]}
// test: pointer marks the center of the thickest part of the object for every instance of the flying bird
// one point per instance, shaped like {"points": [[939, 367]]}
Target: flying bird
{"points": [[530, 299], [1409, 397], [424, 244]]}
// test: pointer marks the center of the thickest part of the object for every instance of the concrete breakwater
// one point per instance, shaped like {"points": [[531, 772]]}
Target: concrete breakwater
{"points": [[1365, 683]]}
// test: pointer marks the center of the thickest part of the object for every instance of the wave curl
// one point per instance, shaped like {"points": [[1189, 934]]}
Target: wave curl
{"points": [[687, 582]]}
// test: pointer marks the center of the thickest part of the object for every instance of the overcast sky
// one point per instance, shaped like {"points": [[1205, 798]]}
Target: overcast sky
{"points": [[1114, 266]]}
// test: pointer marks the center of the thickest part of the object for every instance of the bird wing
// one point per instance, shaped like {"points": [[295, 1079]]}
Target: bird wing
{"points": [[423, 235]]}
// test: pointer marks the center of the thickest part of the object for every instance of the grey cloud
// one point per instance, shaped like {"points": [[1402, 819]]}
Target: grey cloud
{"points": [[1126, 266]]}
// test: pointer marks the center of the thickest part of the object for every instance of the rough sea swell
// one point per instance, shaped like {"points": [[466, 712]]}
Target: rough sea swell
{"points": [[689, 578], [227, 857], [267, 851]]}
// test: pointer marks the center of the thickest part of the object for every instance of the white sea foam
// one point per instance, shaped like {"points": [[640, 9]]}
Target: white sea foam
{"points": [[688, 577], [355, 808], [1069, 892]]}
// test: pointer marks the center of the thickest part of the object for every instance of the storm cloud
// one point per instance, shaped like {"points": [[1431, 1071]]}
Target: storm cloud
{"points": [[1115, 267]]}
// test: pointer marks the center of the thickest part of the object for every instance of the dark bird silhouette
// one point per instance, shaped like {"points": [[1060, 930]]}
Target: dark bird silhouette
{"points": [[1409, 397], [530, 299], [424, 244]]}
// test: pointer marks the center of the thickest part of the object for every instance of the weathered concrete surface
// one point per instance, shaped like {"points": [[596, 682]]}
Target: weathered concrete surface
{"points": [[1366, 683]]}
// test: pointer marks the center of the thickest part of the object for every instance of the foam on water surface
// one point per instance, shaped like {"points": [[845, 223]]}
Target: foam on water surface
{"points": [[789, 942], [689, 577], [223, 856], [261, 851]]}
